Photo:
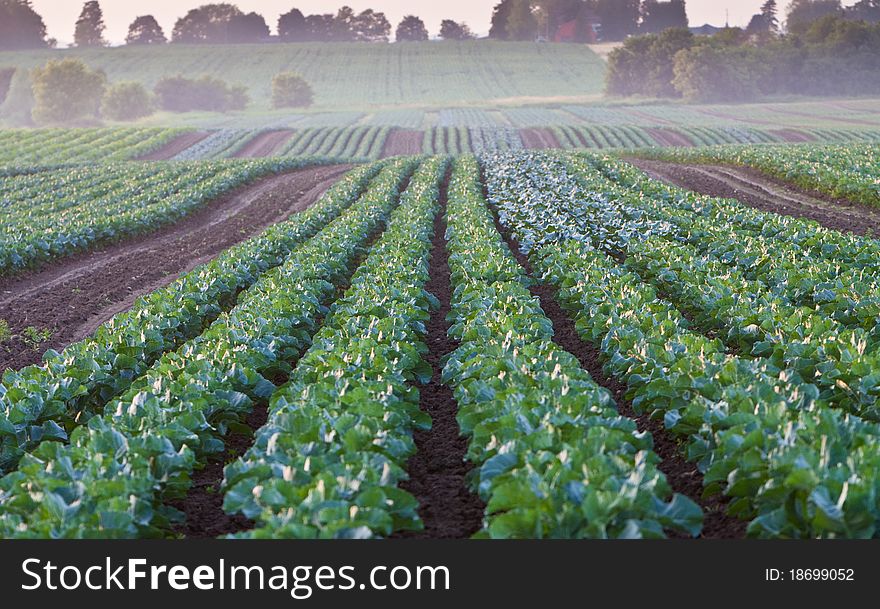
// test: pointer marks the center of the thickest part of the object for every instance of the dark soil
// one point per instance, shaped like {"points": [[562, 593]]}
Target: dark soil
{"points": [[665, 137], [760, 191], [683, 476], [439, 469], [538, 139], [263, 145], [204, 517], [175, 147], [403, 142], [72, 297]]}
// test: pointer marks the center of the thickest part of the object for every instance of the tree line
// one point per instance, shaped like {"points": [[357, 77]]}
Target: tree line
{"points": [[825, 50], [21, 27]]}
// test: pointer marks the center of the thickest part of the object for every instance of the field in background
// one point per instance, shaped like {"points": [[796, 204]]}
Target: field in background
{"points": [[350, 75]]}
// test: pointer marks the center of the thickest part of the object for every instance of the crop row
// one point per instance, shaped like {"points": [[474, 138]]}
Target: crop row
{"points": [[337, 142], [554, 458], [328, 461], [22, 147], [48, 216], [220, 144], [46, 401], [850, 172], [761, 433], [123, 467]]}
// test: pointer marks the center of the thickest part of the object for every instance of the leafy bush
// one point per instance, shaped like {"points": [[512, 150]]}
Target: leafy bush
{"points": [[290, 90], [179, 94], [67, 91], [126, 101]]}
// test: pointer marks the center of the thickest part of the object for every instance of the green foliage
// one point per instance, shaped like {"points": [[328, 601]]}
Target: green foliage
{"points": [[145, 30], [643, 65], [20, 26], [411, 29], [66, 91], [180, 94], [90, 26], [290, 90], [708, 74], [6, 75], [126, 101]]}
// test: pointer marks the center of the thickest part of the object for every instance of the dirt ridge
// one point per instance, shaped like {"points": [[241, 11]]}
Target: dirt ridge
{"points": [[439, 470], [175, 146], [72, 297], [264, 144]]}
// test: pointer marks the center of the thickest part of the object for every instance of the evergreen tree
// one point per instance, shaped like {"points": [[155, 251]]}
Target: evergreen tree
{"points": [[90, 26]]}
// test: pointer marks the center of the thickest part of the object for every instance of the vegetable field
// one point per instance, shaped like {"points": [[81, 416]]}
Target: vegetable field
{"points": [[610, 355]]}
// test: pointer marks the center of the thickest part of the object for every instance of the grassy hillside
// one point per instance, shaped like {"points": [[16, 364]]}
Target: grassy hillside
{"points": [[353, 76]]}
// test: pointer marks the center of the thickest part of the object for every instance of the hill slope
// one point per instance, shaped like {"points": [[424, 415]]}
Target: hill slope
{"points": [[352, 76]]}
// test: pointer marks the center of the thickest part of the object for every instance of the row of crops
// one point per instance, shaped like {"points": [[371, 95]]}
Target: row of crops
{"points": [[851, 172], [337, 142], [751, 337], [760, 356], [57, 212], [24, 147]]}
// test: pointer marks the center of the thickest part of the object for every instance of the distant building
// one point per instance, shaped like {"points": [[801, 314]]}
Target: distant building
{"points": [[586, 28], [705, 30]]}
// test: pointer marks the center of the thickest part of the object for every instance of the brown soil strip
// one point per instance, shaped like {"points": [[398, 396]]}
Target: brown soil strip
{"points": [[263, 145], [793, 135], [760, 191], [684, 477], [76, 295], [664, 137], [403, 142], [202, 508], [538, 139], [439, 469], [175, 147]]}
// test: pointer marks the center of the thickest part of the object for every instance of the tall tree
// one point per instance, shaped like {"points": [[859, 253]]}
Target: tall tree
{"points": [[769, 12], [320, 28], [292, 26], [207, 24], [802, 13], [865, 10], [145, 30], [247, 28], [371, 26], [90, 26], [658, 16], [411, 29], [521, 22], [20, 26], [619, 18], [452, 30], [500, 13]]}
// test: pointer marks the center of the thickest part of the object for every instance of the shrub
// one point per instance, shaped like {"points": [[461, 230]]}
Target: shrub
{"points": [[67, 91], [290, 90], [179, 94], [126, 101]]}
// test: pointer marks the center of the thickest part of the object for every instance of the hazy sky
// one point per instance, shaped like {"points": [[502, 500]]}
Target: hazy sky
{"points": [[60, 15]]}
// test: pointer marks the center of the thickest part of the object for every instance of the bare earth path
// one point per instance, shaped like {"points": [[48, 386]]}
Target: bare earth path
{"points": [[760, 191], [72, 298], [263, 145], [175, 147], [538, 139], [402, 142]]}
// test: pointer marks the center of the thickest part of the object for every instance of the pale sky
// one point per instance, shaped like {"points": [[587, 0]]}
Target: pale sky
{"points": [[60, 15]]}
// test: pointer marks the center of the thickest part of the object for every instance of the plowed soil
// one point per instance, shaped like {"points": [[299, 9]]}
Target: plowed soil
{"points": [[539, 139], [70, 299], [263, 145], [403, 142], [760, 191], [438, 471], [665, 137], [175, 147], [793, 135]]}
